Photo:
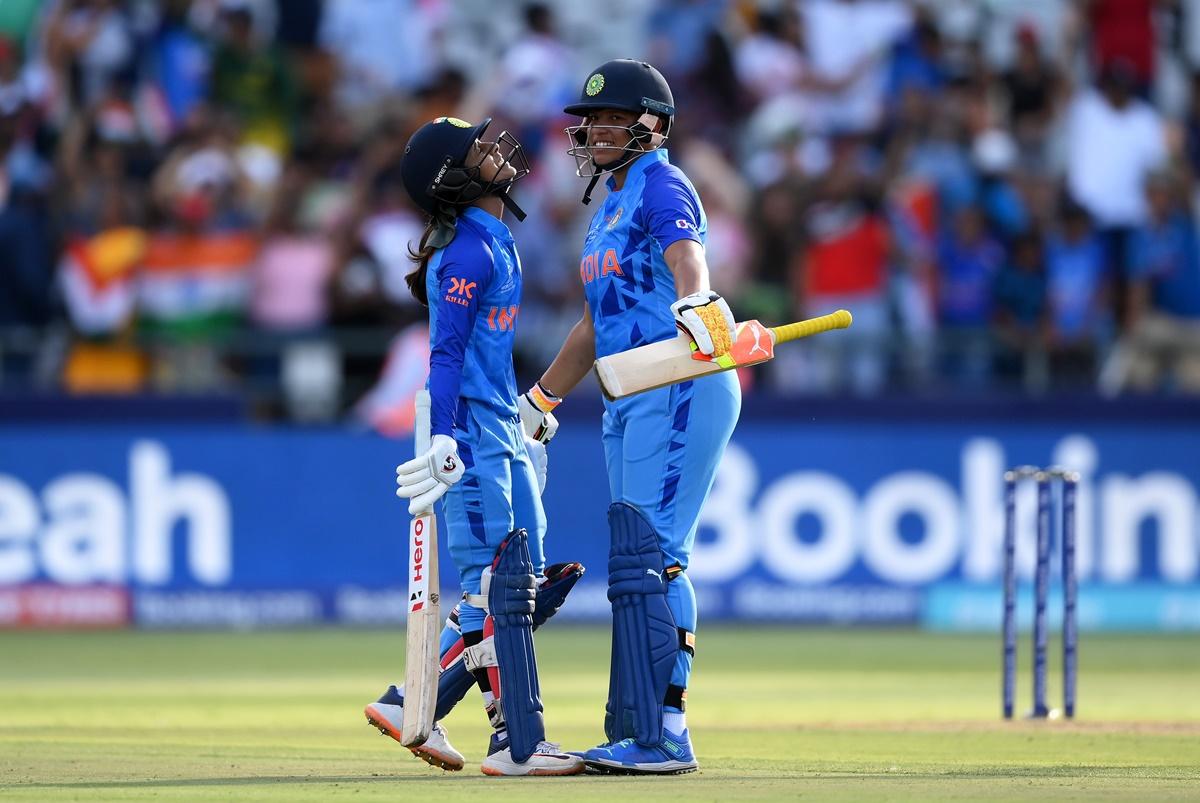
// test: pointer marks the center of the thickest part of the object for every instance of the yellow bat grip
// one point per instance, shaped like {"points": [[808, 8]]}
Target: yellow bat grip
{"points": [[793, 331]]}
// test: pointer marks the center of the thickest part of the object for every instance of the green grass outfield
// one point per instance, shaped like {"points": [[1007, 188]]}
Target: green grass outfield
{"points": [[775, 713]]}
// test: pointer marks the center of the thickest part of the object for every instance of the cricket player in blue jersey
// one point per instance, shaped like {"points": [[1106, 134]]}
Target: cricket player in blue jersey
{"points": [[645, 278], [490, 476]]}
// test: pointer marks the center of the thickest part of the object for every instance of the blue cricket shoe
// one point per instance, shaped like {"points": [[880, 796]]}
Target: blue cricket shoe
{"points": [[672, 756]]}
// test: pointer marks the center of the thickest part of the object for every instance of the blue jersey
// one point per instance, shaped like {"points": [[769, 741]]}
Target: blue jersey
{"points": [[626, 281], [474, 289]]}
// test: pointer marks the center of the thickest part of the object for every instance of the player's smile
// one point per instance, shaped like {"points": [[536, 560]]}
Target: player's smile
{"points": [[608, 135]]}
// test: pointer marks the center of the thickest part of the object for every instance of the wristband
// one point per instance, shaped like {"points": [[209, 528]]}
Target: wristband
{"points": [[543, 399]]}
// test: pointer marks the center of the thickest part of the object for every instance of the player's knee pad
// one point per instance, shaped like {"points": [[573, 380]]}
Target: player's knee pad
{"points": [[511, 602], [553, 586], [646, 639]]}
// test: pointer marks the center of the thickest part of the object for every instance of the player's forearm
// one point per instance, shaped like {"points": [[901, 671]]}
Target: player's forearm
{"points": [[686, 261], [573, 362]]}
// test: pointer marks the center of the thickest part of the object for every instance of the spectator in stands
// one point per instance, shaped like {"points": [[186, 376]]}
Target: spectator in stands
{"points": [[380, 47], [845, 264], [295, 264], [1031, 89], [969, 260], [372, 259], [1163, 344], [840, 35], [195, 276], [1123, 31], [179, 63], [26, 278], [533, 82], [1113, 142], [88, 43], [252, 82], [1077, 291], [994, 154], [1019, 321]]}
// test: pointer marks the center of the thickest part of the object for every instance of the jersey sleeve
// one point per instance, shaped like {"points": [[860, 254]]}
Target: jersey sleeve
{"points": [[461, 279], [671, 209]]}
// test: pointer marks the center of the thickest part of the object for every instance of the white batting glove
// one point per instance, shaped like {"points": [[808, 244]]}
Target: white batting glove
{"points": [[537, 456], [427, 476], [535, 405], [707, 318]]}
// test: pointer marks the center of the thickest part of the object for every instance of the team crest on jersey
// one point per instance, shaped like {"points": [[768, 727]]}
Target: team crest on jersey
{"points": [[454, 121], [594, 85]]}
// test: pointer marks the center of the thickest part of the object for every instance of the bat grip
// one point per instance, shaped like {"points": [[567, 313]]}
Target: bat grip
{"points": [[421, 425], [794, 331]]}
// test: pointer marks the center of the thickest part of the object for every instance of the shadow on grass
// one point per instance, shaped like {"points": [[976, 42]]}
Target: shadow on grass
{"points": [[989, 774], [248, 780]]}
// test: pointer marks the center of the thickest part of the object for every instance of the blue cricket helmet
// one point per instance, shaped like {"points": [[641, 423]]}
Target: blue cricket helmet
{"points": [[435, 173], [432, 152], [625, 84]]}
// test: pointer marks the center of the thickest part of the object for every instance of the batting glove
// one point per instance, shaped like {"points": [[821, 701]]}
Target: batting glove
{"points": [[535, 405], [537, 456], [706, 317], [424, 479]]}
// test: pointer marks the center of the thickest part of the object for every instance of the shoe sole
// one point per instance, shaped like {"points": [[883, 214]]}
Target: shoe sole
{"points": [[431, 757], [542, 772], [603, 768]]}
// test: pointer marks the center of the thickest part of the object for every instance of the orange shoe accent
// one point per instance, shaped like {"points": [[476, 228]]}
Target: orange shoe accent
{"points": [[431, 757]]}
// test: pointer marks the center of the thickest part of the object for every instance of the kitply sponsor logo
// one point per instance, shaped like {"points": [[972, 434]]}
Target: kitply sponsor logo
{"points": [[960, 528], [83, 528]]}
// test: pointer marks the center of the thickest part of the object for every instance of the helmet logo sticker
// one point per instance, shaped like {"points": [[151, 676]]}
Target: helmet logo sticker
{"points": [[594, 85], [454, 121]]}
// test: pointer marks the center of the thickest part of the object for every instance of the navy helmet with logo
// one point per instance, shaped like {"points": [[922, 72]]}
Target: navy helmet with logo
{"points": [[436, 175], [627, 85]]}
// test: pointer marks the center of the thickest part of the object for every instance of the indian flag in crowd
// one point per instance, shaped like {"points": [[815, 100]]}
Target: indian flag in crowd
{"points": [[195, 282], [97, 276]]}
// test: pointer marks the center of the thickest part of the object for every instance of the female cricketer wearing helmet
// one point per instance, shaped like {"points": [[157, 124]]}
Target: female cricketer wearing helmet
{"points": [[644, 276], [469, 275]]}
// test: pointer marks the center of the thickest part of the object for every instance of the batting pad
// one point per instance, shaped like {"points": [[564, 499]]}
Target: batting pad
{"points": [[511, 601], [645, 638]]}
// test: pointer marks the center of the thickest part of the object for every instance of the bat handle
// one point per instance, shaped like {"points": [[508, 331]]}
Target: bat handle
{"points": [[793, 331], [421, 426]]}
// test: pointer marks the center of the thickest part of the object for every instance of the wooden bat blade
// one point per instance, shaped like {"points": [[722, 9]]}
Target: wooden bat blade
{"points": [[421, 665], [667, 362]]}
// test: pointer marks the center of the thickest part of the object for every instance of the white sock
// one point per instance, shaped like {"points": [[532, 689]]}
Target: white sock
{"points": [[675, 721]]}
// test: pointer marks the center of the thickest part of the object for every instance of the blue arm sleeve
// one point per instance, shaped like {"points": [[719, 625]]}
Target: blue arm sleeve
{"points": [[454, 293], [671, 209]]}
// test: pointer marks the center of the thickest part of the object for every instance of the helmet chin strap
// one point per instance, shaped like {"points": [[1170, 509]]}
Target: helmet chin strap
{"points": [[511, 205], [587, 194]]}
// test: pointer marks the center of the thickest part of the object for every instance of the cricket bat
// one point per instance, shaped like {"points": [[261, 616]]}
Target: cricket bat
{"points": [[421, 665], [677, 360]]}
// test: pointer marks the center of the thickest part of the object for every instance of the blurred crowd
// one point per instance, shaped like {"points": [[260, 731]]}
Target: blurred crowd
{"points": [[201, 195]]}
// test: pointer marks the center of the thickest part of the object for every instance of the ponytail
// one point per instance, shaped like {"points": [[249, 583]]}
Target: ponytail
{"points": [[439, 233], [416, 279]]}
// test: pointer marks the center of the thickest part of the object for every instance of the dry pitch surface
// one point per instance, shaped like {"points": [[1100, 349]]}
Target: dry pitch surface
{"points": [[776, 714]]}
